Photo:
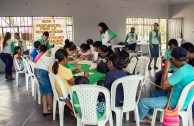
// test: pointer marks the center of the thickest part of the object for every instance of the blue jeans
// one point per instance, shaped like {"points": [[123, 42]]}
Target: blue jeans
{"points": [[44, 82], [8, 60], [159, 99]]}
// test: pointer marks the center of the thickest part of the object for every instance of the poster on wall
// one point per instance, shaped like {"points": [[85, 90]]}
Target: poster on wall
{"points": [[55, 27]]}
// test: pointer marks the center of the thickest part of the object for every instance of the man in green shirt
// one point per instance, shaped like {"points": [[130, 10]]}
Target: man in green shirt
{"points": [[167, 56], [44, 40]]}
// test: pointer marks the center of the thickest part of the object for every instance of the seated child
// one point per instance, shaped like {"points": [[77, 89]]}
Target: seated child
{"points": [[104, 53], [100, 108], [96, 46], [90, 43], [35, 51], [130, 66], [115, 66], [18, 56], [85, 52], [43, 49]]}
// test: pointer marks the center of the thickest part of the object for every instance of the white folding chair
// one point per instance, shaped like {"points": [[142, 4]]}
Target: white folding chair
{"points": [[56, 98], [88, 95], [34, 83], [130, 86], [18, 71], [186, 115], [144, 61]]}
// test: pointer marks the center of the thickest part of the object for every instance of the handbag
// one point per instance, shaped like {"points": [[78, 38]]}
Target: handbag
{"points": [[171, 117]]}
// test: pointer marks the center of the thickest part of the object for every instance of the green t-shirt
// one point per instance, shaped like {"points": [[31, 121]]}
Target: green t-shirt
{"points": [[69, 66], [179, 80], [100, 110], [168, 55]]}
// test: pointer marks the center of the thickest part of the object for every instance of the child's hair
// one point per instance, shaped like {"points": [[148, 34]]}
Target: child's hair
{"points": [[188, 46], [97, 44], [36, 44], [43, 48], [123, 54], [59, 56], [89, 42], [81, 80], [156, 24], [16, 50], [103, 26], [173, 42], [46, 33], [69, 45], [7, 37], [85, 47], [116, 60], [17, 34], [66, 40]]}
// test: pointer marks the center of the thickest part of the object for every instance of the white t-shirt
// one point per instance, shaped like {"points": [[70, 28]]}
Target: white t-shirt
{"points": [[132, 66], [7, 48], [95, 56], [47, 59], [105, 38], [24, 45]]}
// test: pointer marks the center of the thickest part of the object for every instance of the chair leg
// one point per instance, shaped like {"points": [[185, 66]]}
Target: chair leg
{"points": [[61, 113], [27, 80], [127, 116], [35, 90], [154, 117], [119, 118], [136, 115], [17, 75], [39, 98], [110, 119], [185, 119], [54, 108], [79, 122], [161, 116], [190, 117], [32, 86]]}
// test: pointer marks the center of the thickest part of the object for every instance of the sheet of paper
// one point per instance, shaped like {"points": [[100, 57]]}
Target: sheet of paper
{"points": [[82, 74]]}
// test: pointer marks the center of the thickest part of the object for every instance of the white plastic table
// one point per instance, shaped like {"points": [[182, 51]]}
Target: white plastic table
{"points": [[140, 44], [118, 46]]}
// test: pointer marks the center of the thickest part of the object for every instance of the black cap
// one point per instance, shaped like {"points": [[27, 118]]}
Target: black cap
{"points": [[179, 54]]}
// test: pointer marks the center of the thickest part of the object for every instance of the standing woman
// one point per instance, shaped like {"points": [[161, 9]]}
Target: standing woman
{"points": [[155, 43], [131, 39], [20, 42], [6, 55], [106, 34]]}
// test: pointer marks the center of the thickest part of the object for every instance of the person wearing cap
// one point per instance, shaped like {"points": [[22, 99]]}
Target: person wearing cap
{"points": [[155, 43], [44, 39], [131, 39], [178, 80]]}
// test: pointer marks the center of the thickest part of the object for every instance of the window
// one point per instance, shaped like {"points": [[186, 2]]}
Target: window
{"points": [[143, 27], [23, 25]]}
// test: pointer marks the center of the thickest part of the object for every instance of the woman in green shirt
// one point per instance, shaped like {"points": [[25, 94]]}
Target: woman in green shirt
{"points": [[106, 35], [131, 39], [155, 43]]}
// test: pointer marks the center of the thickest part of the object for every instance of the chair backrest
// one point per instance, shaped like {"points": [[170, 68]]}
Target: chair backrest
{"points": [[27, 67], [130, 86], [88, 95], [53, 80], [144, 62], [16, 65], [184, 94], [32, 65]]}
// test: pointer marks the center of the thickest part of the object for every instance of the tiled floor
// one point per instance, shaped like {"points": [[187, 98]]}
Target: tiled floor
{"points": [[17, 104]]}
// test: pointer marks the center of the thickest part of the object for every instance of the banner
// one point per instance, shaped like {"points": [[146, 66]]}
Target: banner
{"points": [[55, 27]]}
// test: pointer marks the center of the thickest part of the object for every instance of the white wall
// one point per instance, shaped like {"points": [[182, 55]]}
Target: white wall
{"points": [[187, 12], [86, 14]]}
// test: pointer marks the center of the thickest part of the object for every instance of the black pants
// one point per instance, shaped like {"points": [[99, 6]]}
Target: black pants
{"points": [[132, 46], [158, 76], [8, 60]]}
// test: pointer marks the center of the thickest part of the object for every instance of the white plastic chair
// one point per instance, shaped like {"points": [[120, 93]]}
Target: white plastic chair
{"points": [[88, 95], [144, 61], [56, 98], [28, 73], [185, 115], [18, 71], [130, 86], [34, 83]]}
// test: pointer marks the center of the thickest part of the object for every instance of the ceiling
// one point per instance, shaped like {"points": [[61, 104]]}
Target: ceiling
{"points": [[172, 2]]}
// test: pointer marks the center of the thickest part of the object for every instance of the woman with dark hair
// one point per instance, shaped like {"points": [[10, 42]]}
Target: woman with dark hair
{"points": [[106, 34], [115, 66], [155, 44], [61, 58], [85, 52], [6, 55], [44, 39]]}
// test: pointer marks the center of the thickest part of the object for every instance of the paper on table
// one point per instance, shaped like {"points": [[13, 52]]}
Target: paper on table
{"points": [[82, 74], [84, 62], [93, 66]]}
